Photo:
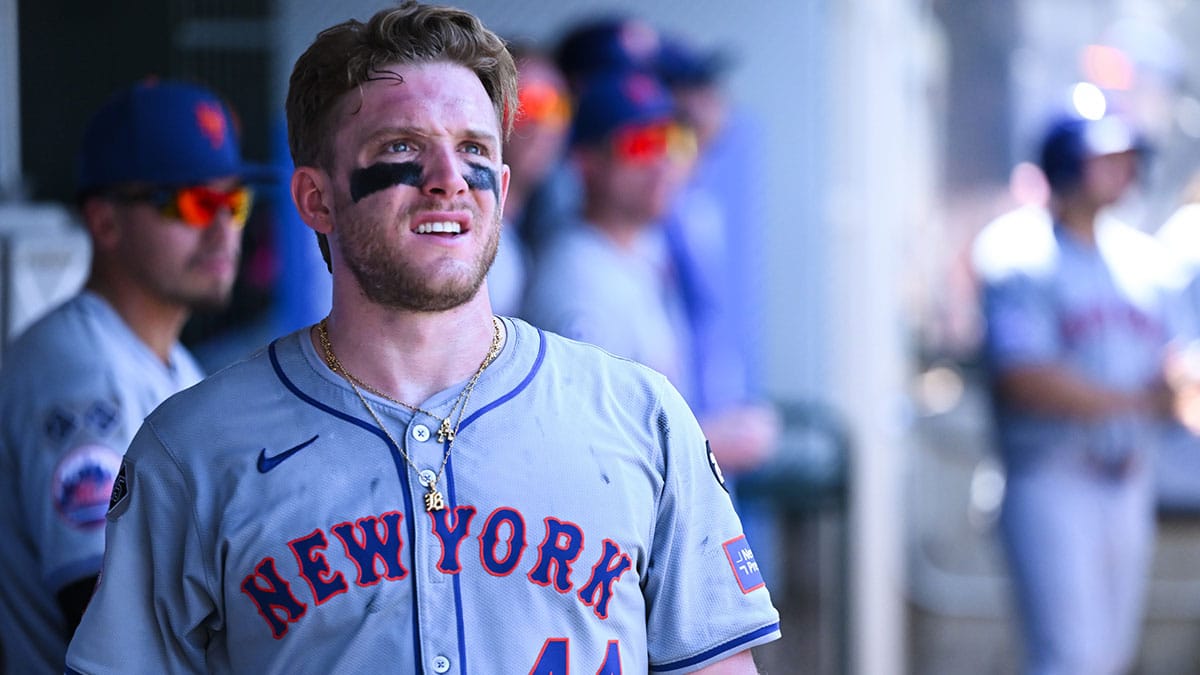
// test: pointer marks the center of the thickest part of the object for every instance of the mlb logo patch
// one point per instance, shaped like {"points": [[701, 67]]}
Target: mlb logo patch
{"points": [[745, 568]]}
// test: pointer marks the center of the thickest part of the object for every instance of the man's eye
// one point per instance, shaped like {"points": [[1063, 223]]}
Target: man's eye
{"points": [[473, 148], [399, 146]]}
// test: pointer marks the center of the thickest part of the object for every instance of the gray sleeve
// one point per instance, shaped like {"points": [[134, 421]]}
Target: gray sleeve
{"points": [[151, 609], [705, 597], [72, 445], [1021, 322]]}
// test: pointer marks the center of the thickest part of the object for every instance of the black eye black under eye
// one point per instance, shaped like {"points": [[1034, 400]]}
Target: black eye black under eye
{"points": [[371, 179], [481, 177]]}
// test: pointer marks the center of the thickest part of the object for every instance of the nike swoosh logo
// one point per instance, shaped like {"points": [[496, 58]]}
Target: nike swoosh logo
{"points": [[265, 463]]}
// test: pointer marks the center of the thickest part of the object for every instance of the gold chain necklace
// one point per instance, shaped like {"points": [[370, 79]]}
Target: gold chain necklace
{"points": [[434, 500]]}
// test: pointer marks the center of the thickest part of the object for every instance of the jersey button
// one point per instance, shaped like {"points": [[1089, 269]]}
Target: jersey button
{"points": [[427, 477], [441, 664], [420, 432]]}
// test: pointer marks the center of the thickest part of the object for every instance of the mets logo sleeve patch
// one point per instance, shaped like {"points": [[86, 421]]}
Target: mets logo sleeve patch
{"points": [[82, 484], [745, 568]]}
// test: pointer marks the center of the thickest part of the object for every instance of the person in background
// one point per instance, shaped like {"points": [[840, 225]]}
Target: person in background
{"points": [[532, 152], [1079, 318], [702, 255], [715, 227], [714, 235], [163, 194], [600, 45], [602, 279]]}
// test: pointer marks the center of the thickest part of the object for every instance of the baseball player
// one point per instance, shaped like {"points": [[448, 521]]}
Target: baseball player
{"points": [[604, 280], [1078, 320], [609, 278], [161, 195], [533, 152], [413, 483]]}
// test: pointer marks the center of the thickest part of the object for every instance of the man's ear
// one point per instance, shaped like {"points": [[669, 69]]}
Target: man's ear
{"points": [[505, 175], [100, 219], [313, 198]]}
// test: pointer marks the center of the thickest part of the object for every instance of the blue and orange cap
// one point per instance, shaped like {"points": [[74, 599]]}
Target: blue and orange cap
{"points": [[162, 132]]}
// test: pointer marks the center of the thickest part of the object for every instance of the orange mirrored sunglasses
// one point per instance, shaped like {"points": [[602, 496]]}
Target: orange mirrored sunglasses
{"points": [[542, 103], [198, 205], [651, 142]]}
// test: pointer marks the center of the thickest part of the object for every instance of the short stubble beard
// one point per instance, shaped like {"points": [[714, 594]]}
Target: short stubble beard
{"points": [[389, 281]]}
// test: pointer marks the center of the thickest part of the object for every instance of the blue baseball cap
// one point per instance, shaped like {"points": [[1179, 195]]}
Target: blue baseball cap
{"points": [[163, 133], [615, 100], [1069, 140], [681, 64], [606, 44]]}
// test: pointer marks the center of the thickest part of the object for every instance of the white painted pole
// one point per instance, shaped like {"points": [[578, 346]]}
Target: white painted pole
{"points": [[876, 107]]}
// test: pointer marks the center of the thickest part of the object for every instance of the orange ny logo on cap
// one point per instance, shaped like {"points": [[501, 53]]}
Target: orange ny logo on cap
{"points": [[211, 120]]}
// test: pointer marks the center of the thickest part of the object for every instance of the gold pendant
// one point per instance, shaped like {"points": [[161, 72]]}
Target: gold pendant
{"points": [[434, 500], [445, 433]]}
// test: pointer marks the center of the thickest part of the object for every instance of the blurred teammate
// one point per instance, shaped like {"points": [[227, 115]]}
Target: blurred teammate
{"points": [[415, 484], [714, 227], [592, 47], [1078, 320], [532, 152], [162, 196], [714, 236], [604, 279], [612, 276]]}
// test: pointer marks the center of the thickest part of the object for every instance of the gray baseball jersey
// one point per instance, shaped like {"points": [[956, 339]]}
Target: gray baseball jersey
{"points": [[266, 524], [1077, 522], [587, 288], [1104, 311], [74, 389]]}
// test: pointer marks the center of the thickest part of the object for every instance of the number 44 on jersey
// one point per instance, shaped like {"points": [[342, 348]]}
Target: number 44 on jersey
{"points": [[555, 655]]}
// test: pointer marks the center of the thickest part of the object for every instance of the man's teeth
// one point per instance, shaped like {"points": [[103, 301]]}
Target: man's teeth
{"points": [[446, 226]]}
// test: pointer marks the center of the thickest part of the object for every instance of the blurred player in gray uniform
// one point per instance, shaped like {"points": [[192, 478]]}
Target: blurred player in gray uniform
{"points": [[609, 278], [413, 484], [605, 278], [1079, 318], [162, 197]]}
